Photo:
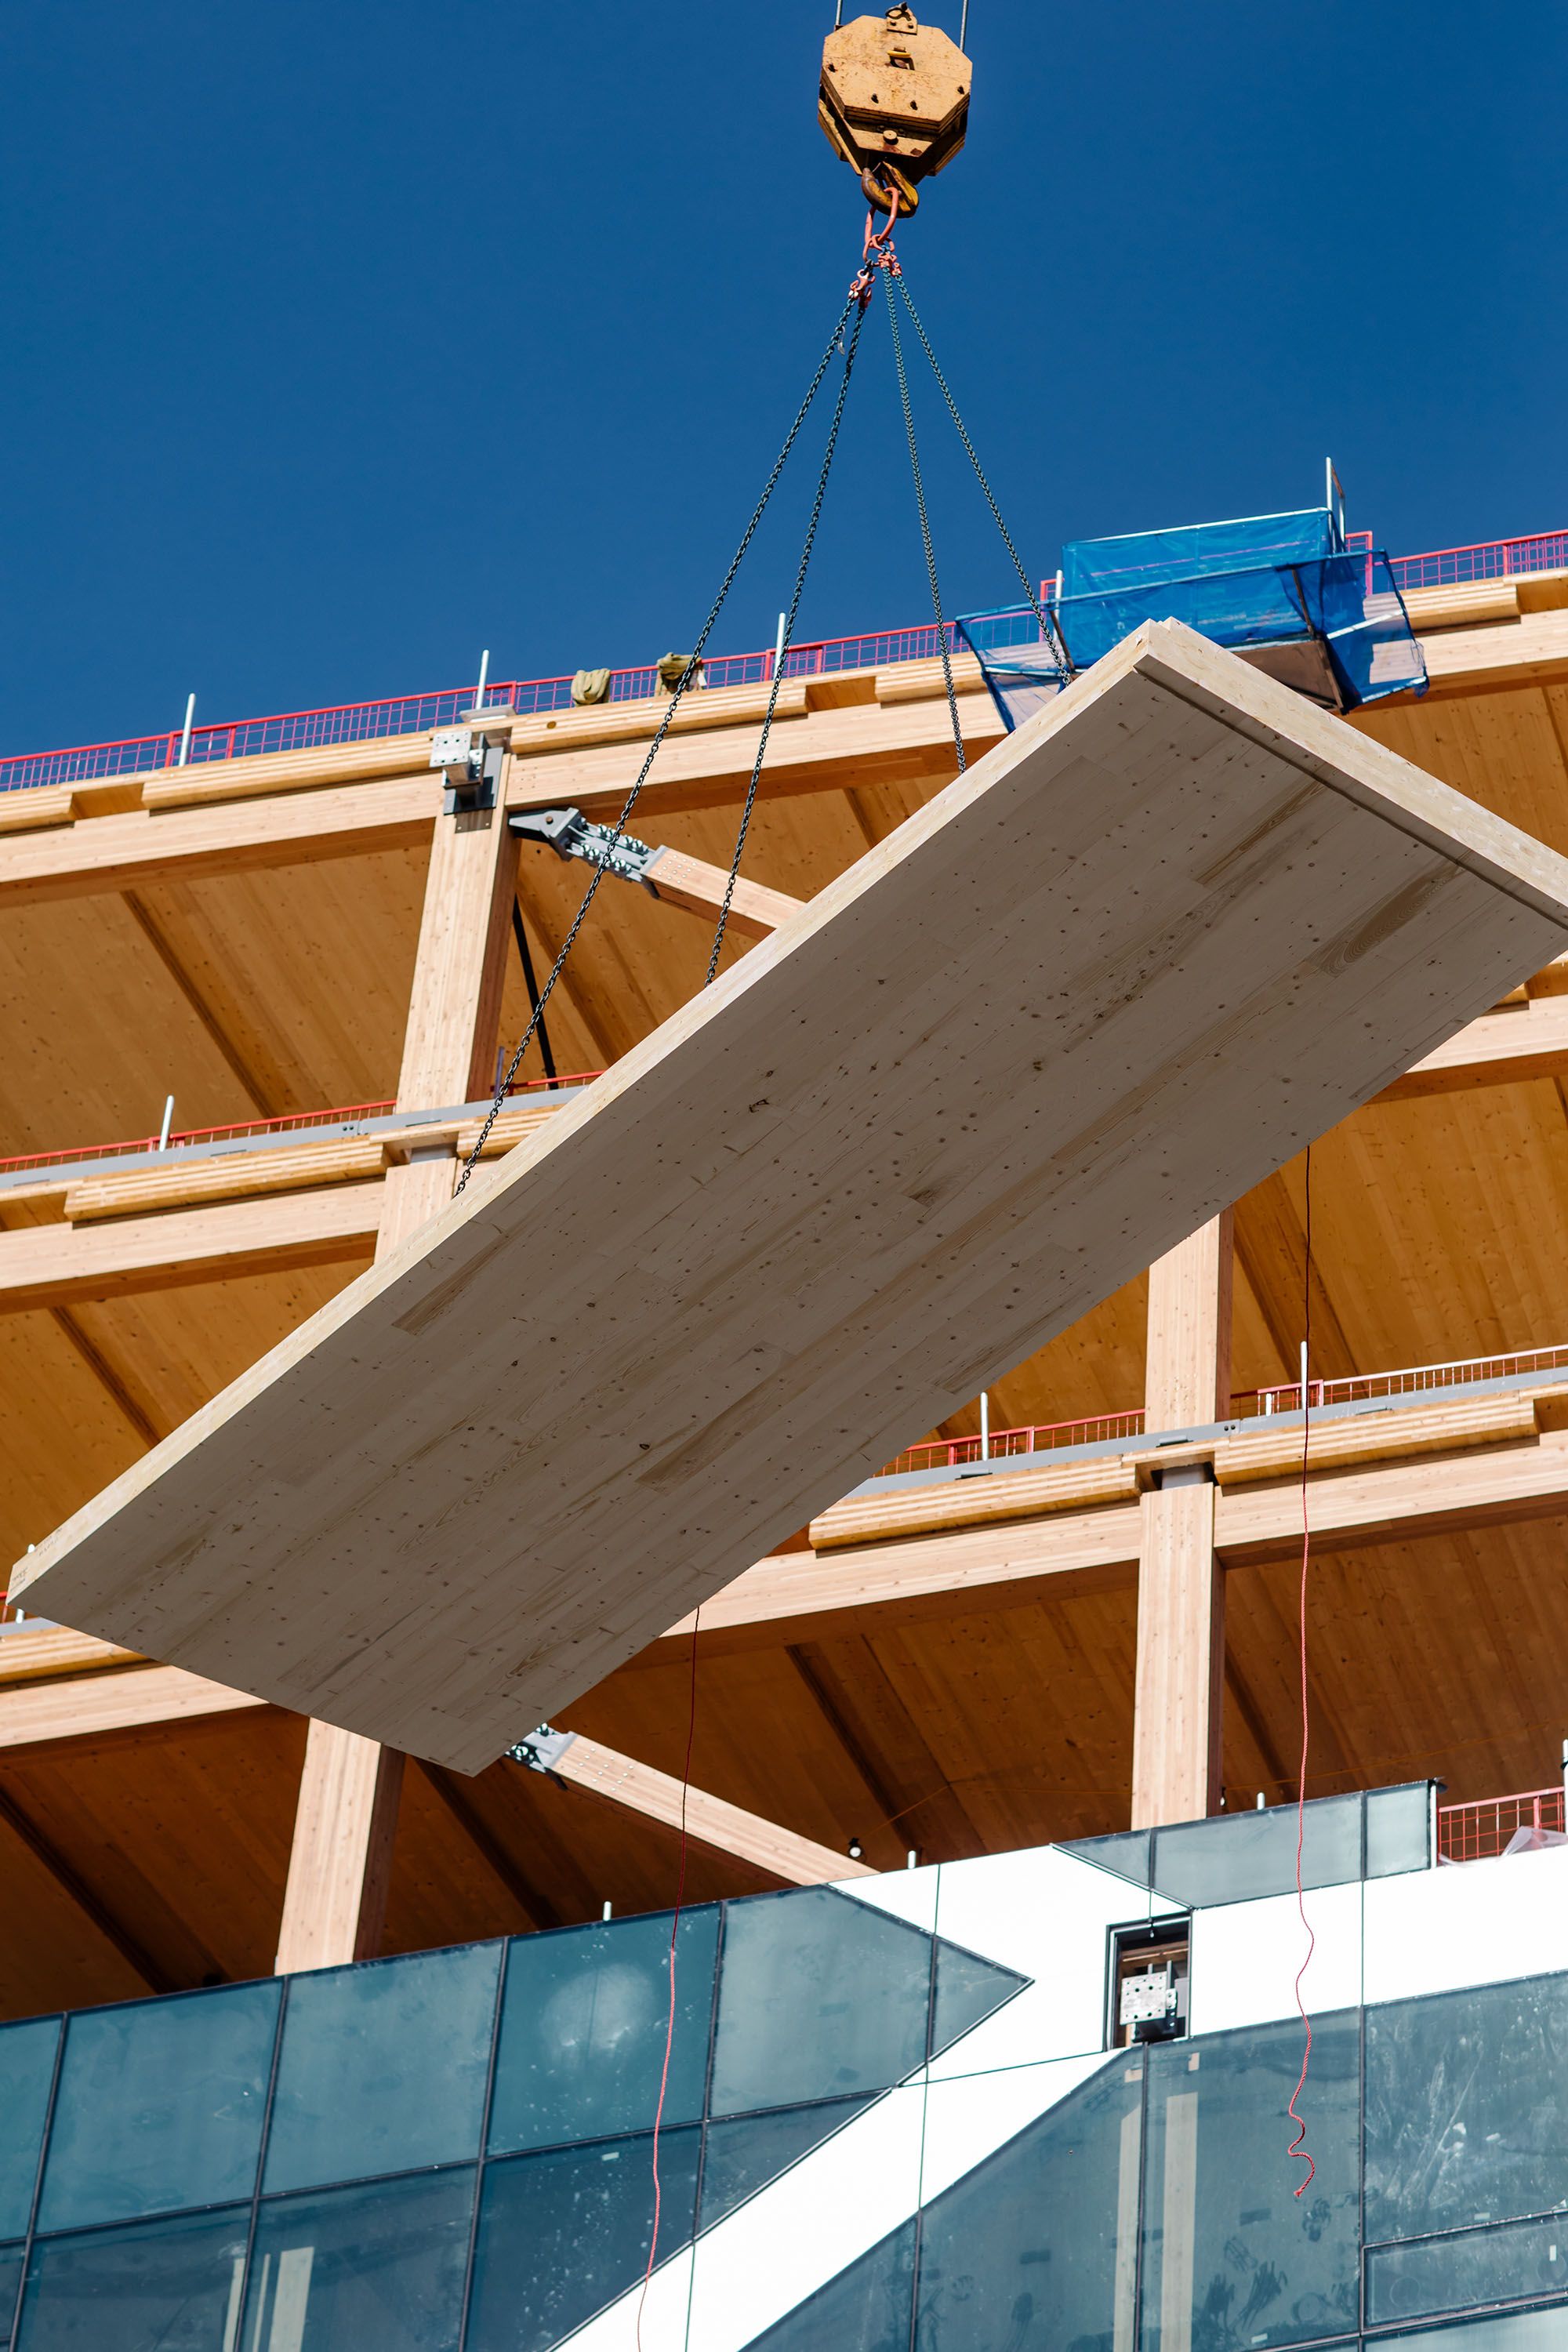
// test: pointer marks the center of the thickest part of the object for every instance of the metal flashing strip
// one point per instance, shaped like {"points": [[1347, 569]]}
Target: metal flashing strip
{"points": [[279, 1138], [1250, 1425]]}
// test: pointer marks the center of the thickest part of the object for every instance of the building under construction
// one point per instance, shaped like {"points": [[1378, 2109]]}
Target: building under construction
{"points": [[788, 1565], [961, 1698]]}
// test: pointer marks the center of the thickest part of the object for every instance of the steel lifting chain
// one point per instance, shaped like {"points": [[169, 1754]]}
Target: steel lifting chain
{"points": [[785, 640], [891, 271], [1049, 628], [834, 344]]}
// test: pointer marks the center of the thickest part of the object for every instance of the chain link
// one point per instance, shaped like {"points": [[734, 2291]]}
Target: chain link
{"points": [[887, 278], [784, 643], [1049, 628], [624, 819]]}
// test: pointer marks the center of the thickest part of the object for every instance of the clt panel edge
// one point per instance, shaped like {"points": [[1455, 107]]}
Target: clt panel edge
{"points": [[1166, 934]]}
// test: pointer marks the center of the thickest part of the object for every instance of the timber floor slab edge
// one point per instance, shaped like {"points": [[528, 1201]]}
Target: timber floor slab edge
{"points": [[1095, 990]]}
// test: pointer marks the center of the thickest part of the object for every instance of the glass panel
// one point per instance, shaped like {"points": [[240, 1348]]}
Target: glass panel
{"points": [[166, 2286], [1467, 2118], [562, 2234], [1127, 1853], [1038, 2245], [380, 2267], [1505, 2264], [383, 2068], [745, 2155], [1237, 1856], [819, 1997], [1525, 2331], [159, 2105], [864, 2309], [26, 2067], [967, 1988], [583, 2025], [1398, 1829], [1230, 2255]]}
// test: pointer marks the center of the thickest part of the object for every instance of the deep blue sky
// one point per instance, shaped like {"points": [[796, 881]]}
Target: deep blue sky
{"points": [[345, 339]]}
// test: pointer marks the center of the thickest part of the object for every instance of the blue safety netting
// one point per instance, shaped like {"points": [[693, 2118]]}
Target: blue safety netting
{"points": [[1019, 661], [1151, 559], [1280, 589]]}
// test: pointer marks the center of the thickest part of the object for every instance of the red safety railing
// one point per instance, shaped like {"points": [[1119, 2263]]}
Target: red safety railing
{"points": [[1490, 559], [243, 1131], [1476, 1833], [1413, 1380], [415, 714], [1036, 1437]]}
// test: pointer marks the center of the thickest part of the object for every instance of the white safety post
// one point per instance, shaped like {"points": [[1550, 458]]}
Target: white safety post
{"points": [[186, 730], [778, 643], [985, 1424], [963, 28], [484, 679], [168, 1122]]}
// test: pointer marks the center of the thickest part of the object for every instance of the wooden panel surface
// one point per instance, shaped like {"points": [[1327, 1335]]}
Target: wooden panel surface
{"points": [[1096, 989], [229, 1176]]}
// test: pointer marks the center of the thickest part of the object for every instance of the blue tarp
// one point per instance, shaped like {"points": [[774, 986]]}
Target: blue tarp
{"points": [[1266, 582], [1145, 559]]}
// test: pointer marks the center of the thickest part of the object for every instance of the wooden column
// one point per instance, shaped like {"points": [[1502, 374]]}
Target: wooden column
{"points": [[1178, 1701], [448, 1046], [1186, 1379], [334, 1907]]}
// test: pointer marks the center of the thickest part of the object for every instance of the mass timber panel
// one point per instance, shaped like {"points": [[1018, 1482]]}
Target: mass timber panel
{"points": [[335, 1906], [178, 1836], [230, 1176], [691, 882], [1529, 1041], [1172, 929], [711, 1820], [85, 1390], [245, 995], [1176, 1747], [1482, 1480], [53, 1264], [345, 1821], [117, 853], [35, 1714], [866, 747], [1187, 1375], [1436, 1652], [1176, 1733]]}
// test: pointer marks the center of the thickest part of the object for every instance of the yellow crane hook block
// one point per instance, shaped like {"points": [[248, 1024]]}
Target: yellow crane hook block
{"points": [[894, 101]]}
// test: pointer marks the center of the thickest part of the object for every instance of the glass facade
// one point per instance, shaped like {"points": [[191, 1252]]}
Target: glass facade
{"points": [[1235, 1857], [453, 2152], [451, 2149]]}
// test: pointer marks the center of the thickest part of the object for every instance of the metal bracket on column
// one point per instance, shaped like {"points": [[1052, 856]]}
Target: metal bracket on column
{"points": [[542, 1750], [570, 834], [470, 758], [1183, 1474]]}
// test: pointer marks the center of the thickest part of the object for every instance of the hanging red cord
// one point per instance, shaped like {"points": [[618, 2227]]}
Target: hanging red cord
{"points": [[1299, 2150], [674, 1930]]}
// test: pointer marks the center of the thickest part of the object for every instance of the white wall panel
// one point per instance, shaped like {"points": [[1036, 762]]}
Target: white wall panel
{"points": [[1245, 1957]]}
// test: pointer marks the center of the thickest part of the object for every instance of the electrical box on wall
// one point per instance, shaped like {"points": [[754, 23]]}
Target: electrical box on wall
{"points": [[1148, 1982]]}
